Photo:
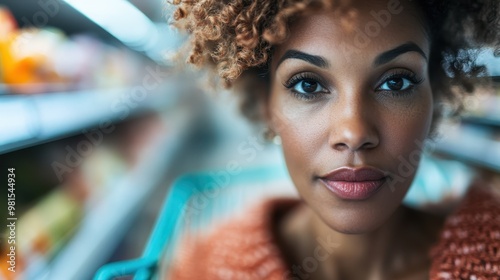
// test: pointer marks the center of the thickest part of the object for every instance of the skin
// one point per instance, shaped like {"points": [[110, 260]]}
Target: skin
{"points": [[359, 114]]}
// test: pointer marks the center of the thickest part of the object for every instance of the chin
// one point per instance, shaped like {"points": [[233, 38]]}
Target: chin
{"points": [[358, 217]]}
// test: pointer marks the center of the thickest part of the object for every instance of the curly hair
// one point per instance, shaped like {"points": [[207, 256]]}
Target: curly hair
{"points": [[237, 36]]}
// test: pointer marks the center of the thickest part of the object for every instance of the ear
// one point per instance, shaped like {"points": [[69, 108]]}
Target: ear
{"points": [[255, 101]]}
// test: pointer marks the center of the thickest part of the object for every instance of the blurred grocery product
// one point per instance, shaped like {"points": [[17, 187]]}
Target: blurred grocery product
{"points": [[36, 60]]}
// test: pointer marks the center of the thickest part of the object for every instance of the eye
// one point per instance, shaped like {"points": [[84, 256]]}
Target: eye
{"points": [[399, 83], [396, 84], [308, 86]]}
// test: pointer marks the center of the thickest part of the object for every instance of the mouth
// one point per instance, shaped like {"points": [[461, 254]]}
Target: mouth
{"points": [[349, 183]]}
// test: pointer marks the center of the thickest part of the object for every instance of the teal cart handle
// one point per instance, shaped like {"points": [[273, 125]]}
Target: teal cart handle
{"points": [[182, 190]]}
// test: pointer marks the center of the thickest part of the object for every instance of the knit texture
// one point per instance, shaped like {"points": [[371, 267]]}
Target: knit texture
{"points": [[469, 245], [241, 249], [245, 249]]}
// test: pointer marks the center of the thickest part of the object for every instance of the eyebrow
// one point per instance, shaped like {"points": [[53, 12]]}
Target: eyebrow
{"points": [[313, 59], [389, 55], [382, 58]]}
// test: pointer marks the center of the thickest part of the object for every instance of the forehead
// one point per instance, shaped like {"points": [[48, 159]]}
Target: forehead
{"points": [[357, 30]]}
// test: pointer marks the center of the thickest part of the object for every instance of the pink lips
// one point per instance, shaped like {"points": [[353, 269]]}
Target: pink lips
{"points": [[354, 183]]}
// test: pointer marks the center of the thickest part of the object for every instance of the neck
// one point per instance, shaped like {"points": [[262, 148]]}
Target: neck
{"points": [[397, 248], [359, 255]]}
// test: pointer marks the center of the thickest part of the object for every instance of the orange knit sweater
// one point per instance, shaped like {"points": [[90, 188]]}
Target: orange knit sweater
{"points": [[244, 249]]}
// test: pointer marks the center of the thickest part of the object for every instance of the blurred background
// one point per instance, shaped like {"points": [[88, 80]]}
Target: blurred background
{"points": [[98, 123]]}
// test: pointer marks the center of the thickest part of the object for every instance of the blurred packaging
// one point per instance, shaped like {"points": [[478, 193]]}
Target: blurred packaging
{"points": [[42, 60]]}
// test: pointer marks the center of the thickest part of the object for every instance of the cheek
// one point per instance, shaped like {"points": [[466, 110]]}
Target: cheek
{"points": [[303, 133], [404, 131]]}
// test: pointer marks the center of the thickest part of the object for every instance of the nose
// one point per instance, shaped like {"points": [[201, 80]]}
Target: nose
{"points": [[354, 127]]}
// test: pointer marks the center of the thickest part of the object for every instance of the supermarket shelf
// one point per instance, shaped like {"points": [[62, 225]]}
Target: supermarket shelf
{"points": [[34, 119], [57, 14], [486, 121], [471, 144], [64, 16], [107, 222]]}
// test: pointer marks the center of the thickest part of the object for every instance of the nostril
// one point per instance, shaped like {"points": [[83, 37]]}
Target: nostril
{"points": [[345, 146], [353, 134], [341, 147], [368, 145]]}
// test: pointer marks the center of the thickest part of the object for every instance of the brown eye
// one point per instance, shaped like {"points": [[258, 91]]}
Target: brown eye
{"points": [[396, 84], [306, 86], [309, 86]]}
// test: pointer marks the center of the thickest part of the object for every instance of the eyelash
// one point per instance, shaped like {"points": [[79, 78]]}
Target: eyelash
{"points": [[405, 74], [294, 80]]}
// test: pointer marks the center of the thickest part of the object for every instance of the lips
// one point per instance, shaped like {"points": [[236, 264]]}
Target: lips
{"points": [[354, 183]]}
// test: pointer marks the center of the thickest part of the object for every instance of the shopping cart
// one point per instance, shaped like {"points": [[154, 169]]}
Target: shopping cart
{"points": [[195, 203]]}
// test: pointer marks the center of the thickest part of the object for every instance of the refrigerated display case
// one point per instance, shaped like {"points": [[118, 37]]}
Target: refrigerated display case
{"points": [[91, 123]]}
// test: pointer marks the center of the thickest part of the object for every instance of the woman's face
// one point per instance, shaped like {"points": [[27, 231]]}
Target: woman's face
{"points": [[351, 100]]}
